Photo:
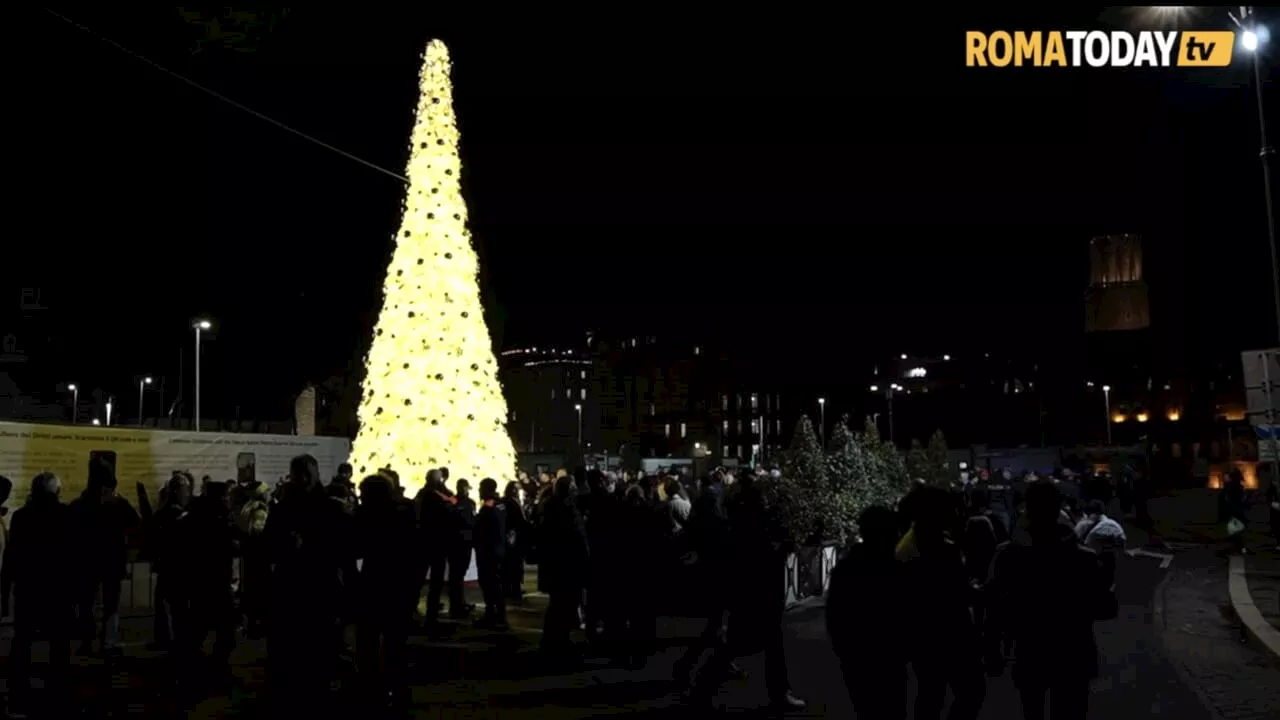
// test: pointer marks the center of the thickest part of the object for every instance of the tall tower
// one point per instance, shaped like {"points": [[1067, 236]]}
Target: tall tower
{"points": [[431, 395], [1117, 295]]}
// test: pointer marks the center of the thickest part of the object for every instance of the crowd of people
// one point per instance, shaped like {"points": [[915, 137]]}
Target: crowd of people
{"points": [[301, 560], [953, 585], [949, 581]]}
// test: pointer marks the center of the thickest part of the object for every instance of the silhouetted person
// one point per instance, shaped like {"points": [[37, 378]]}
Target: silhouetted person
{"points": [[1046, 592], [103, 523], [517, 541], [942, 641], [489, 537], [36, 560], [562, 568], [436, 509], [386, 589], [757, 555], [167, 556], [305, 532], [709, 547], [251, 524], [642, 526], [602, 514], [1233, 507], [207, 536], [460, 548], [863, 606]]}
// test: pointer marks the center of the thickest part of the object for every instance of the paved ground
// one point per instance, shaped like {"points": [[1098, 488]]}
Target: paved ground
{"points": [[1264, 582]]}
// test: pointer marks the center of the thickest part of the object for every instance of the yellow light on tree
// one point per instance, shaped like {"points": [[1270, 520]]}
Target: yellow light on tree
{"points": [[431, 396]]}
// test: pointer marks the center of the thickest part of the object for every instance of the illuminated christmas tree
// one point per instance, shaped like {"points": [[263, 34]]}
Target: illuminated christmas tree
{"points": [[431, 395]]}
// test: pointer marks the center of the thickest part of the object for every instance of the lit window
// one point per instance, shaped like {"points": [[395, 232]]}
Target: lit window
{"points": [[513, 416], [738, 425], [682, 429], [653, 410], [739, 399], [666, 429], [755, 426], [583, 375], [633, 342], [582, 394], [724, 402], [755, 401], [553, 393], [755, 449], [777, 402], [777, 426], [724, 427], [697, 350]]}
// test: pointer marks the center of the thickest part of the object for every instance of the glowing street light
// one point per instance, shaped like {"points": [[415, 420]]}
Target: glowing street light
{"points": [[96, 421], [578, 408], [199, 326], [109, 412], [822, 411], [75, 402], [1106, 405], [142, 386]]}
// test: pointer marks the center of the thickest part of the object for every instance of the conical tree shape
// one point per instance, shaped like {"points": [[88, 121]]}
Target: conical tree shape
{"points": [[431, 396]]}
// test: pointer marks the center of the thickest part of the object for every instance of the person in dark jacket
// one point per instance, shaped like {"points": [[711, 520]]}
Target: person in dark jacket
{"points": [[36, 559], [756, 557], [207, 535], [167, 556], [1049, 575], [436, 507], [562, 568], [942, 641], [307, 533], [709, 543], [1233, 510], [489, 537], [517, 540], [863, 619], [460, 549], [642, 527], [104, 522], [386, 589]]}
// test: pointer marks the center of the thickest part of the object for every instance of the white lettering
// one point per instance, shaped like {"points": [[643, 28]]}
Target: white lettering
{"points": [[1166, 41], [1121, 49], [1076, 37], [1145, 56], [1096, 47]]}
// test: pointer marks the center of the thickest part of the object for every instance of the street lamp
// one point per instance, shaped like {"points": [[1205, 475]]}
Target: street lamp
{"points": [[96, 421], [142, 385], [1252, 35], [822, 414], [110, 400], [75, 402], [888, 395], [200, 326], [578, 408], [1106, 404]]}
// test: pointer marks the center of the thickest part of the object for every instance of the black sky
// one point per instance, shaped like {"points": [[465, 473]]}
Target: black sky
{"points": [[831, 184]]}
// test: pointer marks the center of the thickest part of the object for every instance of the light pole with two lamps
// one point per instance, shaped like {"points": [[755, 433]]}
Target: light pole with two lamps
{"points": [[199, 326], [888, 395]]}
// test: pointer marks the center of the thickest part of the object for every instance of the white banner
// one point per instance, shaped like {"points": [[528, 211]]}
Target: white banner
{"points": [[150, 456]]}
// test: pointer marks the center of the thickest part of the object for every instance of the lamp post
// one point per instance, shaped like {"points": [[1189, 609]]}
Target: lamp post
{"points": [[822, 415], [142, 386], [109, 401], [1250, 38], [75, 402], [200, 326], [578, 408], [1252, 35], [1106, 404], [888, 396]]}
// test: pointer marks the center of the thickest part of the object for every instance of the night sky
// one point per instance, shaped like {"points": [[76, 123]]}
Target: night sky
{"points": [[823, 187]]}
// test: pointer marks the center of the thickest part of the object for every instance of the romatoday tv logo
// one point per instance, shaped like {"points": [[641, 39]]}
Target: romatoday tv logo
{"points": [[1099, 49]]}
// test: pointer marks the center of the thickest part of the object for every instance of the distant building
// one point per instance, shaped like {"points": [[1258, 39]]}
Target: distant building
{"points": [[549, 395]]}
